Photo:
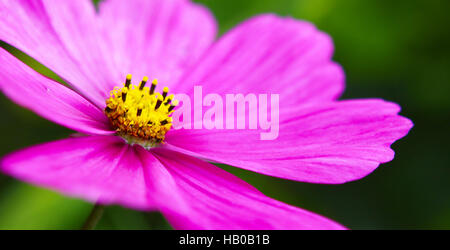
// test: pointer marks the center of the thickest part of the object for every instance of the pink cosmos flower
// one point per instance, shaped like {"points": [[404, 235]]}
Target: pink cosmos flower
{"points": [[321, 140]]}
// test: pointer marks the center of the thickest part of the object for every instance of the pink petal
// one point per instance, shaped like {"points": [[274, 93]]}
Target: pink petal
{"points": [[270, 54], [159, 38], [94, 52], [162, 188], [48, 98], [328, 143], [28, 26], [97, 168], [76, 25], [219, 200]]}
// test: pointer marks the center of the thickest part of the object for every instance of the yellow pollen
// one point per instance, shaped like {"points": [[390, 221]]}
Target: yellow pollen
{"points": [[139, 114]]}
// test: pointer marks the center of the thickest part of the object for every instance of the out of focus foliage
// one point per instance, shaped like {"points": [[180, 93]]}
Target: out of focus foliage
{"points": [[396, 50]]}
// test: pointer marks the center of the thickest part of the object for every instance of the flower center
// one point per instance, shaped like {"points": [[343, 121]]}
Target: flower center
{"points": [[139, 114]]}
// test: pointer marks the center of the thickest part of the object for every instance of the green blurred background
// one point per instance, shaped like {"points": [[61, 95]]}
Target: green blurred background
{"points": [[396, 50]]}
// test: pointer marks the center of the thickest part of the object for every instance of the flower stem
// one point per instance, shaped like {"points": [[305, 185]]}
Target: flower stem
{"points": [[94, 217]]}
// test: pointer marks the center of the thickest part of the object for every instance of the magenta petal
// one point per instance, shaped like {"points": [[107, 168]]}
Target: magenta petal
{"points": [[158, 38], [328, 143], [162, 188], [96, 168], [219, 200], [49, 98], [28, 26], [77, 26], [270, 54], [94, 51]]}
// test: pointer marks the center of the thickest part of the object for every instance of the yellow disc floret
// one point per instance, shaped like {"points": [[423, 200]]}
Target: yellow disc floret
{"points": [[139, 114]]}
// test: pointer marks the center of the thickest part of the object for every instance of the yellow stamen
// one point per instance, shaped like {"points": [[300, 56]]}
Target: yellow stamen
{"points": [[128, 81], [165, 91], [137, 114], [169, 99], [173, 105], [154, 83], [144, 81]]}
